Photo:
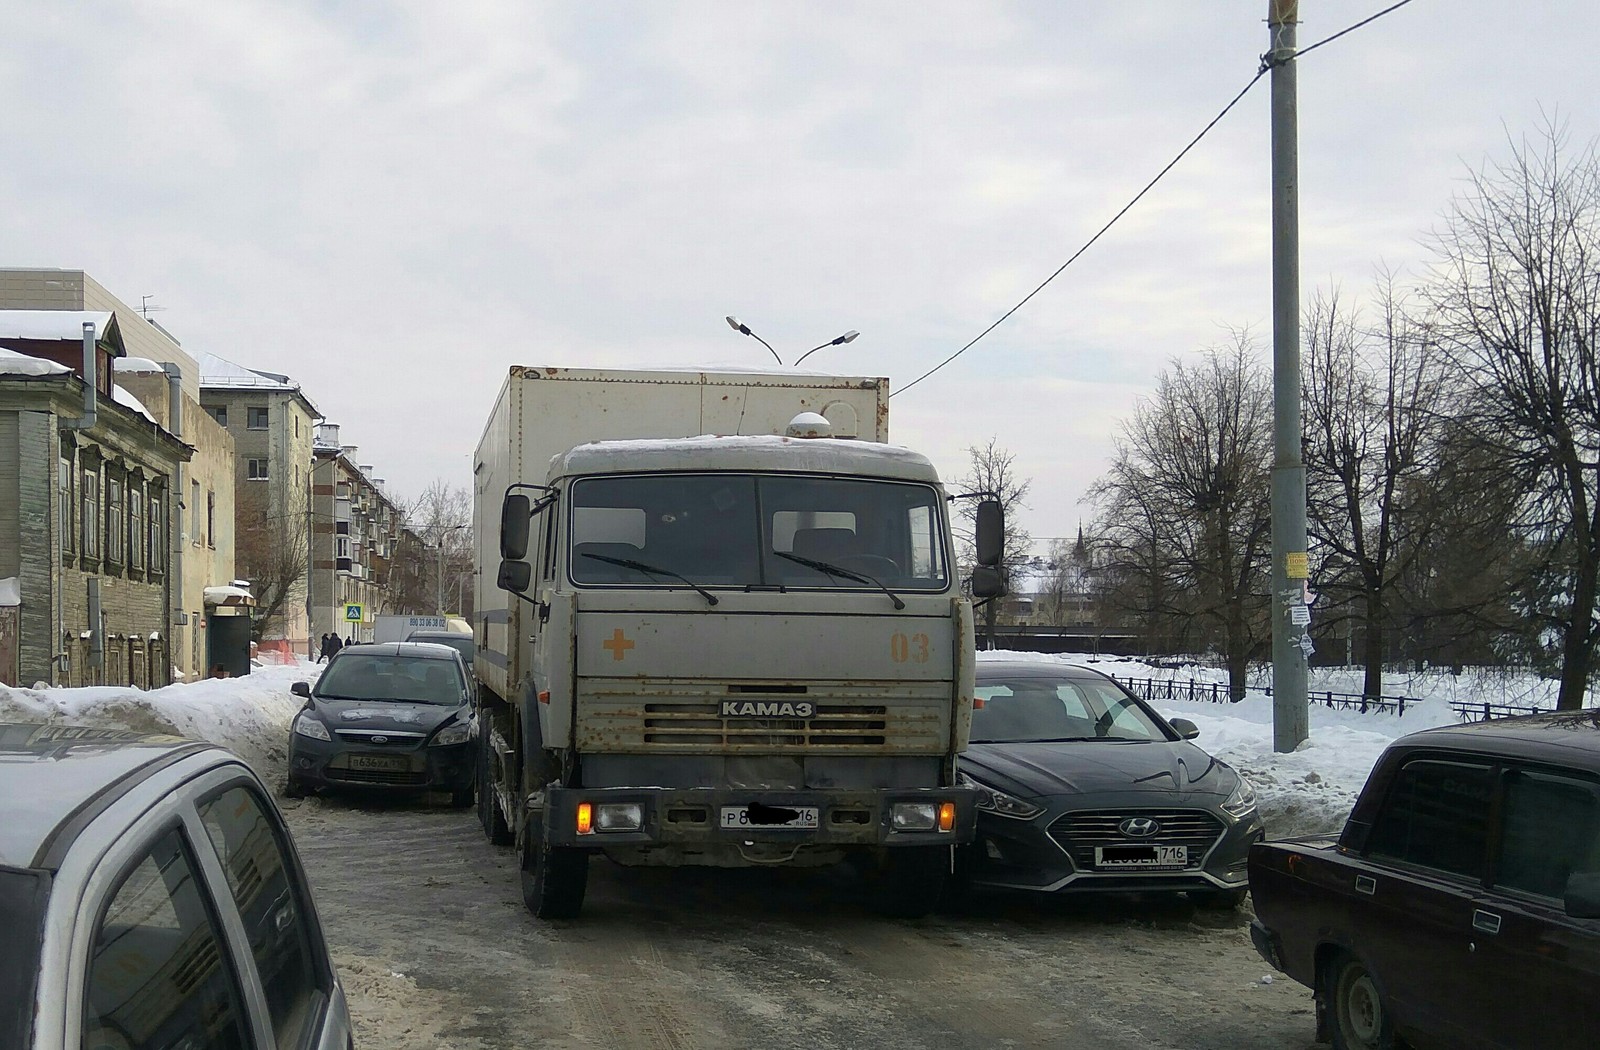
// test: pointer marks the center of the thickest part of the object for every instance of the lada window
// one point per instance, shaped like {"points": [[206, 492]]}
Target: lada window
{"points": [[1552, 831], [1436, 816], [271, 905], [160, 974], [757, 532]]}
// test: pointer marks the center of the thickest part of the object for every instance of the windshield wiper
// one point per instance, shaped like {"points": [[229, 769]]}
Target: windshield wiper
{"points": [[653, 570], [834, 570]]}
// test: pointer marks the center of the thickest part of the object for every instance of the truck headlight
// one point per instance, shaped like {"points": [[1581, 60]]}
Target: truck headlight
{"points": [[307, 725], [455, 733], [1000, 803], [1242, 802], [914, 816], [618, 816]]}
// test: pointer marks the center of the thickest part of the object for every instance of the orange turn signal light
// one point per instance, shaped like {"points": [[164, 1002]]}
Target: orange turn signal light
{"points": [[544, 696], [585, 818], [947, 816]]}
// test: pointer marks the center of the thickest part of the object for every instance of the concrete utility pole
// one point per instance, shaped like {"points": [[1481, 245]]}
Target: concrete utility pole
{"points": [[1291, 644]]}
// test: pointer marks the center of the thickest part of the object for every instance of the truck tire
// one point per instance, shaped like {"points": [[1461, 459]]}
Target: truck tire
{"points": [[554, 879], [1357, 1013], [495, 827], [910, 881]]}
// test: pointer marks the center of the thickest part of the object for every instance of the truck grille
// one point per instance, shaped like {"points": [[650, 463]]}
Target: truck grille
{"points": [[1080, 833], [685, 717]]}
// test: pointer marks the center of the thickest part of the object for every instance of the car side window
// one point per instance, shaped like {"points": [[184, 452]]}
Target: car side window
{"points": [[1436, 816], [160, 975], [1551, 831], [272, 906]]}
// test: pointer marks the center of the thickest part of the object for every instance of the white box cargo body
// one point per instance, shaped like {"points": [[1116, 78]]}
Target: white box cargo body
{"points": [[543, 412]]}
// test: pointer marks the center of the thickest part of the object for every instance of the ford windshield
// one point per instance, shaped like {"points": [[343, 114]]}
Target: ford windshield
{"points": [[754, 532]]}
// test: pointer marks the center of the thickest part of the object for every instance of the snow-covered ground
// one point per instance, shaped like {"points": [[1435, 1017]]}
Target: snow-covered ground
{"points": [[1307, 791]]}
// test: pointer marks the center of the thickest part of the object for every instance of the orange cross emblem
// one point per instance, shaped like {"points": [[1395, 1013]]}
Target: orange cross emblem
{"points": [[618, 643]]}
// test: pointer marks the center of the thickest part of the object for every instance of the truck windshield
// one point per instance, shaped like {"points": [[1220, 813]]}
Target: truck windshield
{"points": [[733, 530]]}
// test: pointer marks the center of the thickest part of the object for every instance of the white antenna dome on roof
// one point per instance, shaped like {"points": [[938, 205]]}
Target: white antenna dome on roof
{"points": [[809, 425]]}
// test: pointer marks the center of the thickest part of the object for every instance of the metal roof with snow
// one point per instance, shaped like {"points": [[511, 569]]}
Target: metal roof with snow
{"points": [[218, 373]]}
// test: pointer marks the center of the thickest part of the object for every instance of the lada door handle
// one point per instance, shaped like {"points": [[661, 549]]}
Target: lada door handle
{"points": [[1366, 884], [1485, 921]]}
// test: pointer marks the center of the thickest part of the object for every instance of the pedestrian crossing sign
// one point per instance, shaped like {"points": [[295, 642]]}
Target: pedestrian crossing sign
{"points": [[352, 612]]}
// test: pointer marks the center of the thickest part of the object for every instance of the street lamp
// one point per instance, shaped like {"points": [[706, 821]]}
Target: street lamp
{"points": [[438, 579], [744, 329]]}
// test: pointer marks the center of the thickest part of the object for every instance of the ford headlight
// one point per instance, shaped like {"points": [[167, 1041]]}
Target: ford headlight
{"points": [[1242, 802], [1000, 803], [307, 725], [457, 733]]}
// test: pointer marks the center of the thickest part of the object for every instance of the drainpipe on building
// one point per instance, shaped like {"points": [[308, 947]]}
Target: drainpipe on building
{"points": [[97, 634], [179, 617], [91, 412]]}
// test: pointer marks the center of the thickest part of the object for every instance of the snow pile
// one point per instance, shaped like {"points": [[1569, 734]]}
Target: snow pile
{"points": [[249, 715]]}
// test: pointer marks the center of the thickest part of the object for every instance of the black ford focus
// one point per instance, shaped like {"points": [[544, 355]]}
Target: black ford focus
{"points": [[397, 715], [1083, 787]]}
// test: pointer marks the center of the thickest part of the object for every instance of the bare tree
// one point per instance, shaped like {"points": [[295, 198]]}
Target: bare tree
{"points": [[438, 550], [1186, 504], [1066, 588], [1518, 296], [273, 552], [992, 471], [1373, 396]]}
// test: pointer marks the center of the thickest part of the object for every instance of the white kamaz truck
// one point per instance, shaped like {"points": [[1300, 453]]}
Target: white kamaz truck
{"points": [[718, 623]]}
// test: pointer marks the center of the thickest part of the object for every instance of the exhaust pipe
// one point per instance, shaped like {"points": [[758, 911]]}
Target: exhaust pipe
{"points": [[90, 393], [180, 617]]}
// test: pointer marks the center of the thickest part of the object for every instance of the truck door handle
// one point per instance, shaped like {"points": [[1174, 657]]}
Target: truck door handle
{"points": [[1486, 921]]}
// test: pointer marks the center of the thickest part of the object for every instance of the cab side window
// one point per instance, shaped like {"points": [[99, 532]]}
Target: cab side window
{"points": [[1552, 831], [1436, 816], [160, 975], [272, 907]]}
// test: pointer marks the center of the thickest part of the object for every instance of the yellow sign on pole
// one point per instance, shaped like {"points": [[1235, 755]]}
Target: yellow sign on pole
{"points": [[1295, 567]]}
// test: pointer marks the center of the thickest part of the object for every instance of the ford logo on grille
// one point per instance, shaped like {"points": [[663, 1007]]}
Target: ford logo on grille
{"points": [[380, 739], [1139, 827]]}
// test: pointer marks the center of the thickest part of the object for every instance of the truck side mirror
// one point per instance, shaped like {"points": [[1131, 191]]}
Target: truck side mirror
{"points": [[988, 582], [516, 513], [514, 576], [990, 537]]}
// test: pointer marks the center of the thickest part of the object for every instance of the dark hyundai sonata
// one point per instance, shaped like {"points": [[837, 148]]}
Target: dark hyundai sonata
{"points": [[396, 715], [1083, 787]]}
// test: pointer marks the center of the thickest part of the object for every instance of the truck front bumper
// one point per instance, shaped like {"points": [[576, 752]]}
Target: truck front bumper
{"points": [[709, 816]]}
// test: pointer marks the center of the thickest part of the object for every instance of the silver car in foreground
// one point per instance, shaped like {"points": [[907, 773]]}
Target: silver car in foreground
{"points": [[150, 896]]}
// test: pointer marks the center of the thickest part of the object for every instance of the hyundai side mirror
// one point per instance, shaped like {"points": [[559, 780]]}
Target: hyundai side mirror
{"points": [[988, 582], [301, 689], [516, 513], [1186, 729], [514, 576], [990, 532]]}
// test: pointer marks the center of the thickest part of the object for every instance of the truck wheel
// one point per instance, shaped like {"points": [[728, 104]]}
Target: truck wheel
{"points": [[495, 827], [910, 881], [1360, 1020], [553, 879]]}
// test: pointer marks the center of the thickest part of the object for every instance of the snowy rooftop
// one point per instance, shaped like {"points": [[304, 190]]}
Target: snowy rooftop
{"points": [[52, 324], [122, 397], [137, 365], [220, 373], [15, 364]]}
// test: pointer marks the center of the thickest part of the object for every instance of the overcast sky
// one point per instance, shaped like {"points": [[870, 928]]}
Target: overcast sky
{"points": [[393, 202]]}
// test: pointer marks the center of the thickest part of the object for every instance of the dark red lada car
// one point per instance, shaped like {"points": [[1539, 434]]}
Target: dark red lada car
{"points": [[1461, 906]]}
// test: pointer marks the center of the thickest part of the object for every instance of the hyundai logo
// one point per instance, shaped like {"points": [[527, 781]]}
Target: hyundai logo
{"points": [[380, 740], [1139, 827]]}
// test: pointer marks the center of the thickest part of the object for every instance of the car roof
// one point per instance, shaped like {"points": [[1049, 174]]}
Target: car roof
{"points": [[425, 650], [1570, 738], [1001, 667], [54, 778]]}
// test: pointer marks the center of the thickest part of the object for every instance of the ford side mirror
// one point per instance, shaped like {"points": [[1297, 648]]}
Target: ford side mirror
{"points": [[988, 582], [990, 534], [514, 576], [515, 515], [301, 689]]}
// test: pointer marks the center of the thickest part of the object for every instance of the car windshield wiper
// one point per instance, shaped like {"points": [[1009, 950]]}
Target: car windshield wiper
{"points": [[849, 574], [653, 570]]}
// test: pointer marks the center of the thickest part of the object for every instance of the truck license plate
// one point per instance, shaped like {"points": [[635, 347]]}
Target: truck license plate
{"points": [[386, 763], [1141, 856], [770, 818]]}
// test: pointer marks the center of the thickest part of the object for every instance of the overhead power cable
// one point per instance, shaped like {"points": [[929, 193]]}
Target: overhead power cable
{"points": [[1265, 66]]}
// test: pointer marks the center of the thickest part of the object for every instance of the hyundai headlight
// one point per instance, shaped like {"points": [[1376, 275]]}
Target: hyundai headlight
{"points": [[456, 733], [1242, 802], [308, 725], [1000, 803]]}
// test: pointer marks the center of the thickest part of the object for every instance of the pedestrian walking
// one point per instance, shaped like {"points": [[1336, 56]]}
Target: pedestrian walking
{"points": [[334, 645]]}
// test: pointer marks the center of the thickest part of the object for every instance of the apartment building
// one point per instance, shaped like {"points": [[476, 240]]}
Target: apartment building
{"points": [[165, 379], [359, 542]]}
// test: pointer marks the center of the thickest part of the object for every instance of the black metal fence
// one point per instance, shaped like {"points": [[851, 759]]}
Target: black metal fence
{"points": [[1152, 689]]}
